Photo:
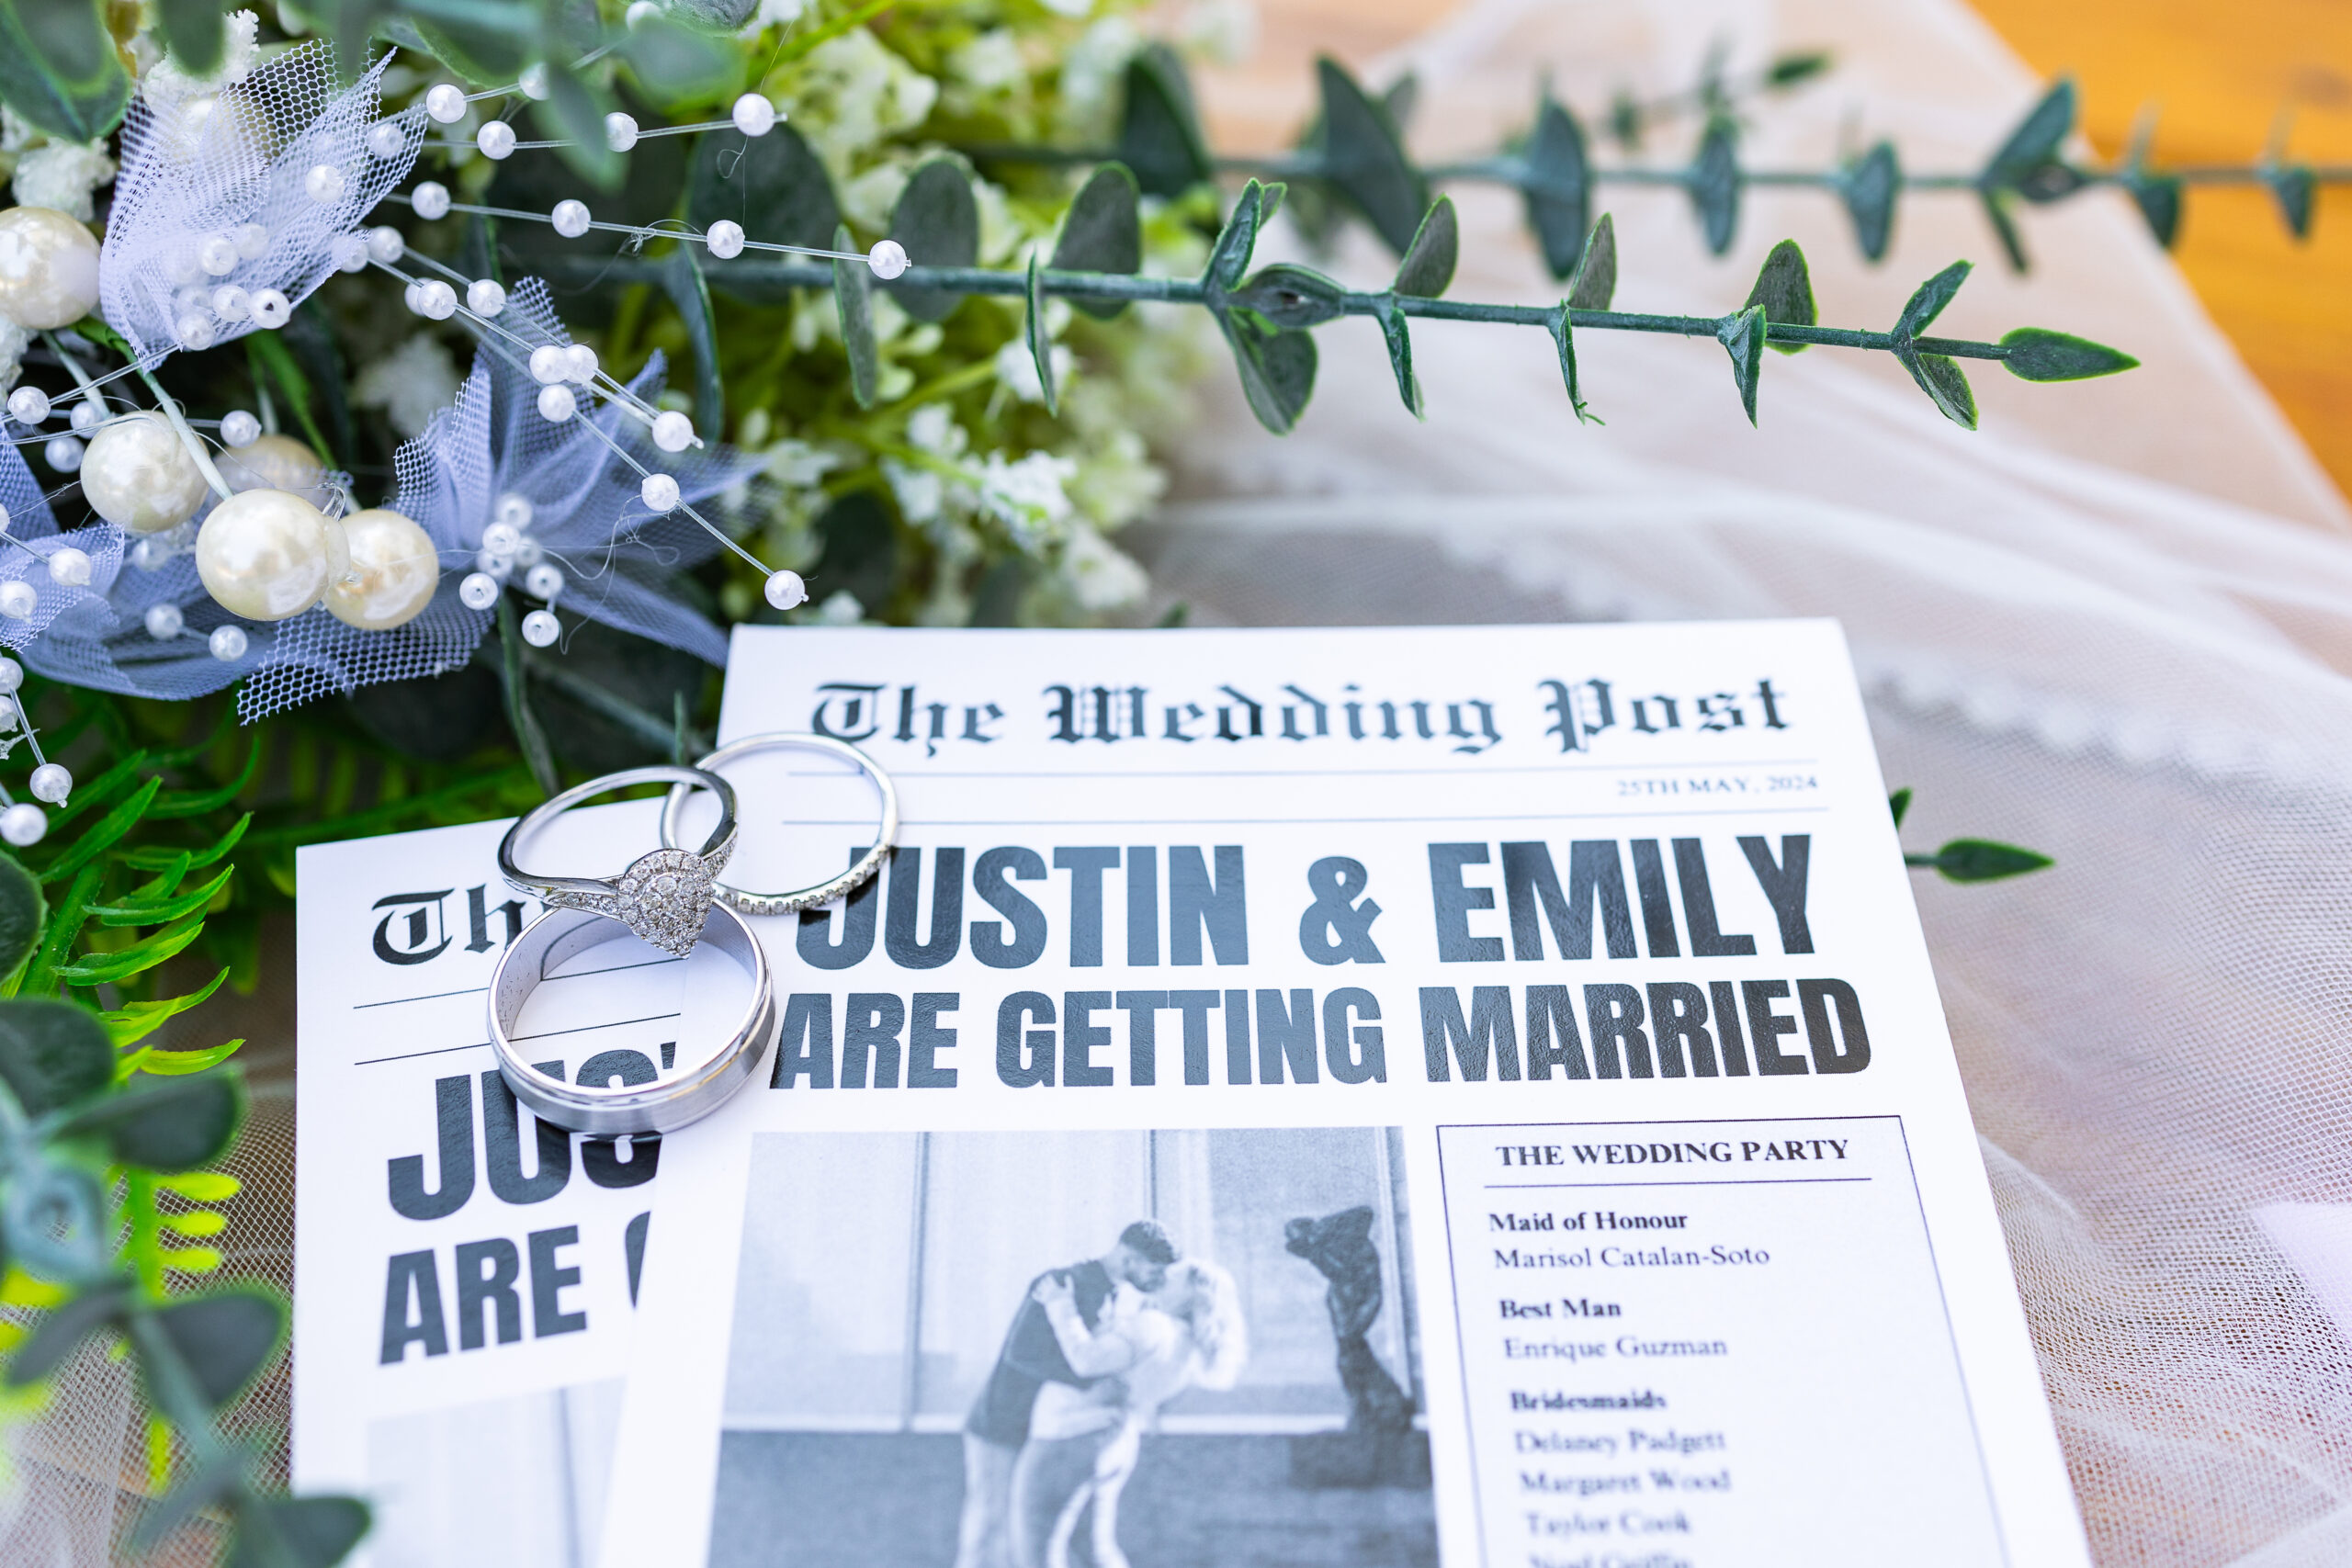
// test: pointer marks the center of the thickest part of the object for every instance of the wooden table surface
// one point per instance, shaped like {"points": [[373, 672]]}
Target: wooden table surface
{"points": [[2218, 73]]}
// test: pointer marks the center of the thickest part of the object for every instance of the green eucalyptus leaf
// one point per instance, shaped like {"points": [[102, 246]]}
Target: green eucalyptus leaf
{"points": [[1400, 98], [775, 186], [715, 16], [1399, 336], [1229, 257], [56, 1220], [1428, 267], [854, 301], [193, 34], [1743, 338], [53, 1054], [937, 220], [479, 55], [1784, 288], [1945, 383], [1040, 338], [1364, 158], [2159, 197], [1277, 366], [1160, 131], [860, 555], [574, 114], [59, 68], [2037, 353], [1986, 860], [316, 1531], [674, 61], [1898, 803], [1564, 337], [165, 1124], [62, 1329], [1786, 71], [212, 1481], [22, 910], [681, 279], [225, 1338], [1558, 186], [1288, 295], [1596, 279], [1714, 180], [2033, 146], [1870, 184], [2005, 228], [2291, 188], [1928, 300], [1103, 231]]}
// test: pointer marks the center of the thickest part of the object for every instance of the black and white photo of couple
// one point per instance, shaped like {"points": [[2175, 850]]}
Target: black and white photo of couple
{"points": [[1094, 1351], [1145, 1349]]}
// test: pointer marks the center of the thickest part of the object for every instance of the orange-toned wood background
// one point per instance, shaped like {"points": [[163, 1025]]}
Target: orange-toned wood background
{"points": [[2219, 70]]}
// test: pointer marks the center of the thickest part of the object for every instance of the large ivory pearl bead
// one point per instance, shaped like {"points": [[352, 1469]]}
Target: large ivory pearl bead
{"points": [[272, 462], [141, 476], [267, 555], [394, 569], [49, 268]]}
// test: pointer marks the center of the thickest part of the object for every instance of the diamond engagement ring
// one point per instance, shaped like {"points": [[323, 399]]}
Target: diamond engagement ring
{"points": [[663, 897], [750, 903]]}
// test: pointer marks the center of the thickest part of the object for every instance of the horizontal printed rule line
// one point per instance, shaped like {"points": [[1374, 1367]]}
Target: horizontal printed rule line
{"points": [[428, 996], [411, 1055], [1727, 1181], [585, 1027], [477, 990]]}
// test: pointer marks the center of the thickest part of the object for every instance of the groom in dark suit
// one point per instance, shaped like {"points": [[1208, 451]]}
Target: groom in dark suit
{"points": [[1032, 1357]]}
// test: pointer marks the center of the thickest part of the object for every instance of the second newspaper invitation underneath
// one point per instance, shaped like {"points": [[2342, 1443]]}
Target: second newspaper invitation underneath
{"points": [[1357, 1097]]}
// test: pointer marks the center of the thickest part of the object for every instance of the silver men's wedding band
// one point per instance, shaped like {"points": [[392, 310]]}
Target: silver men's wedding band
{"points": [[824, 891], [663, 1105]]}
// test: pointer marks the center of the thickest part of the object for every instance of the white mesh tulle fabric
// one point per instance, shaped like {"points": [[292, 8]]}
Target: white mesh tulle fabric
{"points": [[204, 166], [2116, 625], [30, 522]]}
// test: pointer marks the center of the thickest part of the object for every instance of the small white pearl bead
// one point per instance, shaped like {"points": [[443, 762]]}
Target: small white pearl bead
{"points": [[887, 259], [272, 309], [410, 300], [501, 539], [529, 552], [231, 303], [673, 431], [195, 330], [785, 590], [218, 254], [180, 265], [251, 240], [515, 510], [620, 131], [386, 138], [753, 115], [52, 782], [478, 592], [533, 82], [165, 621], [150, 554], [540, 628], [12, 675], [350, 253], [640, 12], [192, 300], [544, 580], [436, 300], [69, 567], [547, 364], [484, 297], [323, 184], [19, 599], [63, 453], [227, 643], [725, 239], [659, 491], [557, 404], [496, 139], [492, 564], [446, 103], [430, 200], [580, 364], [570, 218], [28, 406], [86, 417], [10, 711], [23, 825], [385, 245]]}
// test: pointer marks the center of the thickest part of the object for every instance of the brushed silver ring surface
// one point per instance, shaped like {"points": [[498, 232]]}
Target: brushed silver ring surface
{"points": [[664, 1105], [752, 903]]}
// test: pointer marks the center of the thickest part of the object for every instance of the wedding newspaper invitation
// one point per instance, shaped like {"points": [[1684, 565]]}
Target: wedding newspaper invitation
{"points": [[1366, 1096]]}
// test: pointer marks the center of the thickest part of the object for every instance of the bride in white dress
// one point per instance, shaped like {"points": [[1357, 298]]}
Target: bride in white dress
{"points": [[1083, 1442]]}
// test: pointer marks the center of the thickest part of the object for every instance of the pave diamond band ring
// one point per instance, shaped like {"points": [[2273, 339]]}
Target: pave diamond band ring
{"points": [[750, 903], [663, 895], [666, 1102]]}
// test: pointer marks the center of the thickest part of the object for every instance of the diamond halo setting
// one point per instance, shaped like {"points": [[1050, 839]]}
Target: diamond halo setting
{"points": [[664, 898]]}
